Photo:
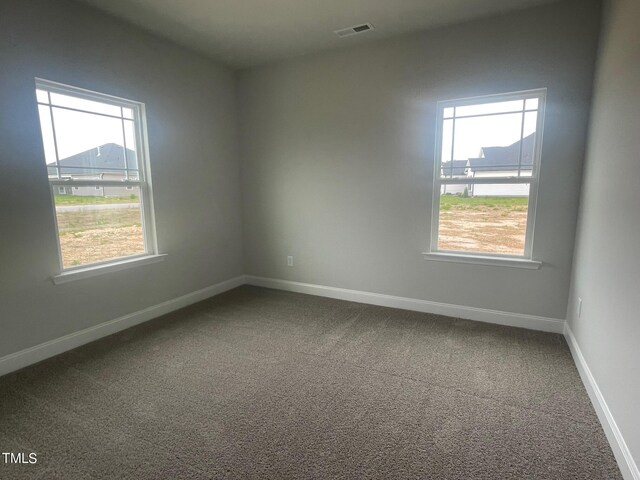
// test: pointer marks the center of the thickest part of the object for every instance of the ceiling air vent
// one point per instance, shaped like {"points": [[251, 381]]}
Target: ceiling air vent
{"points": [[345, 32]]}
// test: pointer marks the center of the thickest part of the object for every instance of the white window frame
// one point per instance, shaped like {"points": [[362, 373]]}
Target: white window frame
{"points": [[143, 181], [526, 260]]}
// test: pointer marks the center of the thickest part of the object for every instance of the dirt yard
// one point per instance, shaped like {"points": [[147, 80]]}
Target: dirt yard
{"points": [[478, 224], [94, 236], [482, 225]]}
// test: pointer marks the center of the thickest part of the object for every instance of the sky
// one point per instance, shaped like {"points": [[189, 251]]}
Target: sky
{"points": [[474, 133], [78, 131]]}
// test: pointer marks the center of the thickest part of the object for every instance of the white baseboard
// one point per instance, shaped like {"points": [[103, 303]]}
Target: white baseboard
{"points": [[37, 353], [470, 313], [627, 465]]}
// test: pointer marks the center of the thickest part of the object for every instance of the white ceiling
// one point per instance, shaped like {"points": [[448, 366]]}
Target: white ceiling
{"points": [[242, 33]]}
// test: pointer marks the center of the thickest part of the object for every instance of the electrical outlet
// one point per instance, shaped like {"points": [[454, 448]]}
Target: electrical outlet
{"points": [[579, 307], [290, 260]]}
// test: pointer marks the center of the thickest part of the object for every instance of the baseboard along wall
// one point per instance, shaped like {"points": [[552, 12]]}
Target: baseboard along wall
{"points": [[37, 353], [627, 464], [532, 322]]}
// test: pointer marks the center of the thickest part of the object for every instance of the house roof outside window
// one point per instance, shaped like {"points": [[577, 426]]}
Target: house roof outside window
{"points": [[497, 159], [101, 158]]}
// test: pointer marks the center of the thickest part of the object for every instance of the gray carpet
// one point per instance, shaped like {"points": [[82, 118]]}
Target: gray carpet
{"points": [[257, 383]]}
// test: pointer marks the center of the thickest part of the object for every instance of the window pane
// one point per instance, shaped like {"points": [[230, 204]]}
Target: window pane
{"points": [[530, 123], [82, 104], [447, 140], [42, 96], [87, 143], [130, 139], [47, 139], [486, 137], [484, 108], [98, 223], [528, 144], [483, 218], [448, 112], [127, 113], [531, 104], [455, 169]]}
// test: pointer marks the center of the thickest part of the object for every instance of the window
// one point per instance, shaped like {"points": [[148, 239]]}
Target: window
{"points": [[486, 175], [98, 171]]}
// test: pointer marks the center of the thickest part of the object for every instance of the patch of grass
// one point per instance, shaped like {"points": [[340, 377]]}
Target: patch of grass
{"points": [[90, 200], [78, 222], [516, 203]]}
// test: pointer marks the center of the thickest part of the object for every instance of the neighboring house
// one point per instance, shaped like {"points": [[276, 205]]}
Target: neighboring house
{"points": [[454, 168], [503, 162], [493, 162], [105, 162]]}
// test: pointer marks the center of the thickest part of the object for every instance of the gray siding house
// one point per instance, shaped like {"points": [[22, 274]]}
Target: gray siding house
{"points": [[493, 162], [105, 162]]}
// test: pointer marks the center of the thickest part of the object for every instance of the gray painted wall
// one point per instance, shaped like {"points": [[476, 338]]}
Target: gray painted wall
{"points": [[191, 114], [607, 265], [337, 153]]}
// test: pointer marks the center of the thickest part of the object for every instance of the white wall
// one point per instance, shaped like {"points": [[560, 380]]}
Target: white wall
{"points": [[191, 115], [607, 261], [337, 153]]}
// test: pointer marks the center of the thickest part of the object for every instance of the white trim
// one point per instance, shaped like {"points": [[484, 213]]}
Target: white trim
{"points": [[147, 212], [494, 97], [627, 465], [485, 180], [29, 356], [64, 89], [483, 260], [533, 180], [458, 311], [71, 275]]}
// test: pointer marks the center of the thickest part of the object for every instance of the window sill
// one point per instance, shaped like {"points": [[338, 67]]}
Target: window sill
{"points": [[483, 260], [95, 270]]}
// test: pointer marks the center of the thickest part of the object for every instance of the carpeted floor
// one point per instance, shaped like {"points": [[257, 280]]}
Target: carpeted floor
{"points": [[257, 383]]}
